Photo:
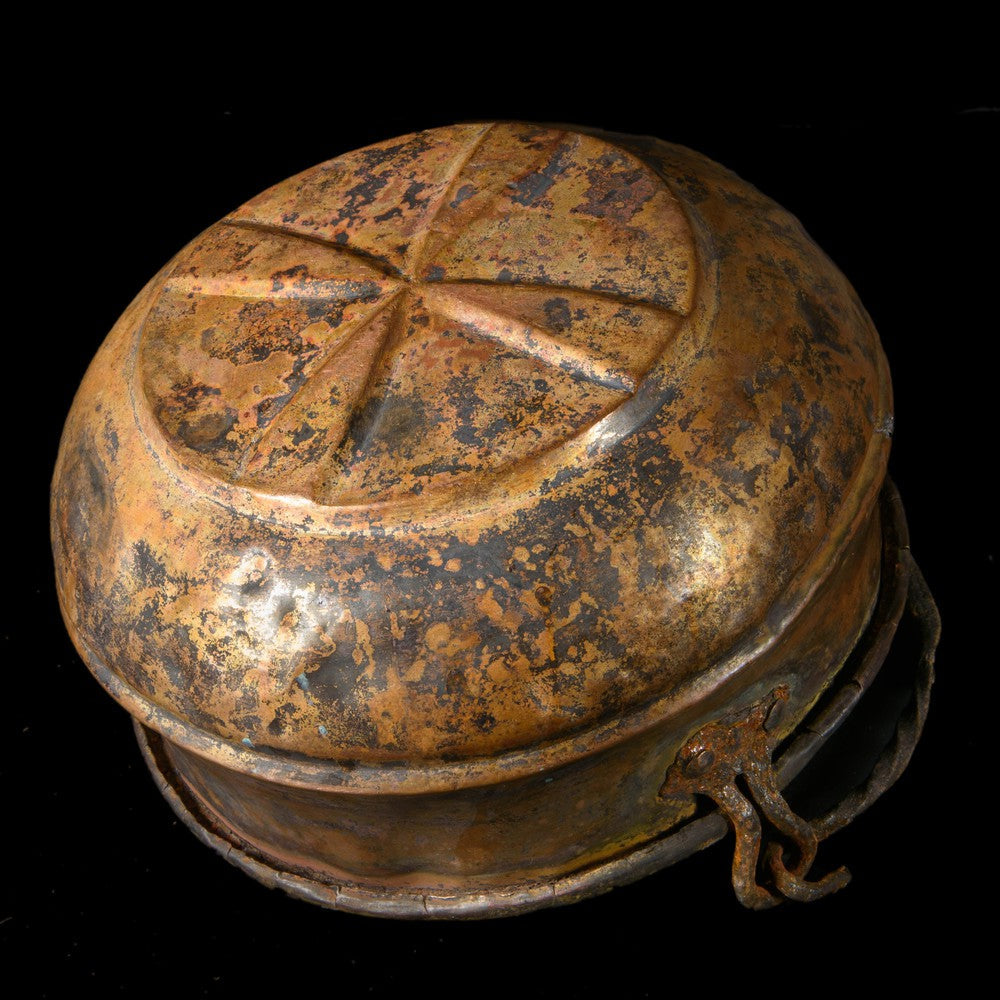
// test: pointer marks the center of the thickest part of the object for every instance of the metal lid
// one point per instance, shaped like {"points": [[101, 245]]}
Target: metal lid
{"points": [[465, 443]]}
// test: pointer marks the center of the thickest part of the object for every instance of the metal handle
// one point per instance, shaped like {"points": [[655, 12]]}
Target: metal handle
{"points": [[730, 760]]}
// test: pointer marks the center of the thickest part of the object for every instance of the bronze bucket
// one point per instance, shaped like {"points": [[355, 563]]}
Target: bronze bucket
{"points": [[489, 517]]}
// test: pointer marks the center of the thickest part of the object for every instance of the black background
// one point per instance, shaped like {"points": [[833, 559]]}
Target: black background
{"points": [[104, 886]]}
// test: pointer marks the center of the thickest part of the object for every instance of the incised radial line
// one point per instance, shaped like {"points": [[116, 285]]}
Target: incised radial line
{"points": [[535, 340], [335, 457], [253, 446], [382, 267], [442, 297], [462, 160], [488, 203]]}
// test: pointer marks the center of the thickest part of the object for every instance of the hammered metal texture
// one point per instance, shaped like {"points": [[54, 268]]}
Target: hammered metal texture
{"points": [[547, 495], [473, 455]]}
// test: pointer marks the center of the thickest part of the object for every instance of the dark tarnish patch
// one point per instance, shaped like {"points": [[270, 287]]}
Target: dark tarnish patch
{"points": [[363, 193], [616, 194], [335, 682], [557, 313], [484, 722], [303, 433], [798, 432], [469, 435], [97, 475], [693, 187], [465, 192], [263, 334], [177, 667], [531, 190], [412, 196], [281, 279], [267, 409], [728, 464], [821, 323], [83, 505], [111, 439], [151, 571], [189, 395], [311, 454], [209, 432], [284, 717], [849, 455], [393, 420]]}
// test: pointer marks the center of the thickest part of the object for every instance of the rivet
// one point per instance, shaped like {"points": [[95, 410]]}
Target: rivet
{"points": [[700, 763]]}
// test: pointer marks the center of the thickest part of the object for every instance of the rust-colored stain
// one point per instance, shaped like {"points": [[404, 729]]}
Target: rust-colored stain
{"points": [[741, 745], [452, 481]]}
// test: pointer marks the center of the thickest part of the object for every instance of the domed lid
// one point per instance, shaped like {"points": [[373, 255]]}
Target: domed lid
{"points": [[465, 441], [420, 315]]}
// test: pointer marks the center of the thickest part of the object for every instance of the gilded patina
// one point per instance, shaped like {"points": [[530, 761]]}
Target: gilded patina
{"points": [[497, 453]]}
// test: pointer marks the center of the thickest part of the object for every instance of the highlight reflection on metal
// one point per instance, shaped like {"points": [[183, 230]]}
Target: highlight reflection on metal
{"points": [[425, 507]]}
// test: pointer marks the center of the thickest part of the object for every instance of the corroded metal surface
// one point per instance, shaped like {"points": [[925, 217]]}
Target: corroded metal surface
{"points": [[487, 458], [901, 584], [740, 746]]}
